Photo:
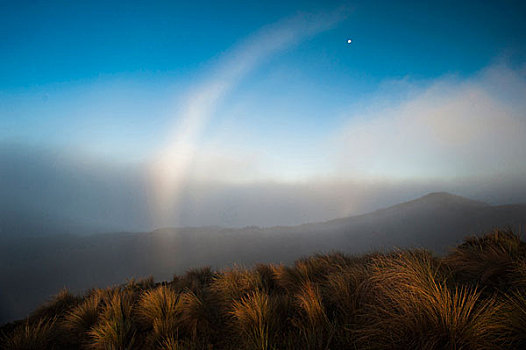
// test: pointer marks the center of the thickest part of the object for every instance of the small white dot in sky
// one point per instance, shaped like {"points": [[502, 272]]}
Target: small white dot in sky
{"points": [[349, 41]]}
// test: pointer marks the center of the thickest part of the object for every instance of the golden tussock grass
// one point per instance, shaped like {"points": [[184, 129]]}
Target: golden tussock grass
{"points": [[159, 311], [36, 335], [473, 298], [490, 261], [115, 328], [253, 315], [411, 305]]}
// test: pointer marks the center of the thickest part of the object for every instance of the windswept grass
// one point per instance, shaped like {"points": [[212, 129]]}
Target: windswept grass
{"points": [[79, 321], [235, 283], [412, 306], [194, 279], [116, 328], [313, 322], [491, 261], [198, 315], [57, 305], [37, 335], [170, 343], [159, 310], [141, 284], [254, 317], [515, 317], [473, 298]]}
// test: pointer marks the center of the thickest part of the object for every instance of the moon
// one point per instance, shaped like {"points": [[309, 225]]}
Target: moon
{"points": [[349, 41]]}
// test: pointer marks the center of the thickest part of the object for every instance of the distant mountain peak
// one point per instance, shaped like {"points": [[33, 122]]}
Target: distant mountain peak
{"points": [[430, 203], [449, 197], [441, 199], [433, 201], [440, 195]]}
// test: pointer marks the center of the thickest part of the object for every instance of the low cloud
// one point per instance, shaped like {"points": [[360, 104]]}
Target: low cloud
{"points": [[449, 129], [52, 192]]}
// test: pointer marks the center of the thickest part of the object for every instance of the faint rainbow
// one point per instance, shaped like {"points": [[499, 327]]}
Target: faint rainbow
{"points": [[170, 167]]}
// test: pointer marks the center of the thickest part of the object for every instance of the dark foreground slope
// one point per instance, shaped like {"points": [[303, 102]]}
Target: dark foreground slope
{"points": [[33, 268], [472, 298]]}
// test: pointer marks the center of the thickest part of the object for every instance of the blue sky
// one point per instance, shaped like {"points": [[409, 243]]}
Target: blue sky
{"points": [[46, 42], [246, 91], [64, 62]]}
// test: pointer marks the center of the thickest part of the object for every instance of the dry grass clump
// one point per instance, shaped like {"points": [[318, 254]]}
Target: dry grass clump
{"points": [[292, 278], [343, 290], [412, 307], [140, 284], [267, 277], [234, 283], [199, 315], [170, 343], [79, 320], [515, 318], [57, 305], [159, 310], [263, 321], [40, 334], [519, 275], [116, 328], [491, 261], [315, 269], [313, 323], [194, 279], [254, 318], [343, 295]]}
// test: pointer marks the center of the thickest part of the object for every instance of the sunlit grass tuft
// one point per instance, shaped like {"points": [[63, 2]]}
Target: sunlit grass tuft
{"points": [[515, 317], [116, 328], [491, 261], [79, 320], [57, 305], [313, 322], [194, 279], [254, 318], [159, 310], [140, 284], [233, 284], [36, 335], [412, 306]]}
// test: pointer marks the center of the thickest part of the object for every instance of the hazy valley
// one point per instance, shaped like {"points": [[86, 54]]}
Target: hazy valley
{"points": [[32, 268]]}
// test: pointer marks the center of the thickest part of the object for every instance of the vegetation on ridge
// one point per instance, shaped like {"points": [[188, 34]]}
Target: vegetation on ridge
{"points": [[473, 298]]}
